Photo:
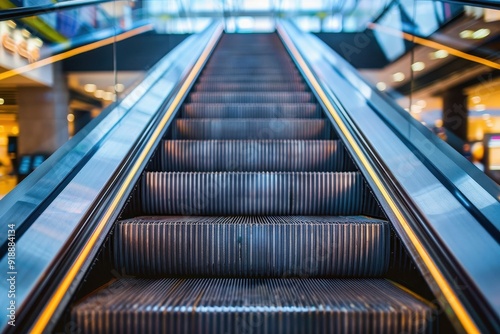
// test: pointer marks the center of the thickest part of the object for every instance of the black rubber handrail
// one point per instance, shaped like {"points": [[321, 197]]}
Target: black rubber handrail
{"points": [[15, 13]]}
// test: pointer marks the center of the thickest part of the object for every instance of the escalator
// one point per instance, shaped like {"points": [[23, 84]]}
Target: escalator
{"points": [[251, 218]]}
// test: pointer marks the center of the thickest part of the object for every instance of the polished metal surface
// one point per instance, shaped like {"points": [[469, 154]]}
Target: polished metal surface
{"points": [[448, 218], [254, 156], [252, 128], [227, 78], [243, 246], [251, 110], [110, 142], [251, 193], [249, 97], [250, 86], [253, 306]]}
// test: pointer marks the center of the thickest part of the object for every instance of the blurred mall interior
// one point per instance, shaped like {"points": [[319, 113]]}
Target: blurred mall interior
{"points": [[425, 73]]}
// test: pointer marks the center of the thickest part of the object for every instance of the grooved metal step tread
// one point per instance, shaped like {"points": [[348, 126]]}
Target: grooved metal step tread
{"points": [[247, 78], [268, 306], [254, 156], [251, 97], [252, 193], [250, 61], [249, 86], [250, 70], [251, 110], [252, 128], [261, 246]]}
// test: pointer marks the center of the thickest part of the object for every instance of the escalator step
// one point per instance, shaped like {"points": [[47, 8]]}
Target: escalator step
{"points": [[251, 193], [241, 128], [251, 97], [253, 306], [247, 78], [280, 246], [254, 156], [249, 61], [250, 86], [251, 110], [250, 71]]}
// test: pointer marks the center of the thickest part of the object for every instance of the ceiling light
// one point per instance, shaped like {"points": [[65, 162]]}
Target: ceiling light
{"points": [[398, 77], [481, 33], [99, 93], [416, 109], [486, 116], [479, 107], [37, 42], [108, 96], [381, 86], [90, 88], [2, 101], [119, 87], [25, 33], [418, 66], [466, 34], [422, 103], [18, 36], [475, 99], [14, 130], [439, 54], [70, 118]]}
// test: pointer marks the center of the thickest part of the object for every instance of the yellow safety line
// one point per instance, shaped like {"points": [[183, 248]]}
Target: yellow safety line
{"points": [[435, 45], [439, 278], [74, 52], [56, 298]]}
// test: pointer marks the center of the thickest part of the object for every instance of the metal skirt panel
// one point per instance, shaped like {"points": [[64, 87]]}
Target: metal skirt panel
{"points": [[267, 306], [240, 246]]}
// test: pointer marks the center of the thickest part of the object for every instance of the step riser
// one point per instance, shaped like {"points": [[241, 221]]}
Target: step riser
{"points": [[251, 129], [254, 156], [261, 110], [251, 97], [252, 247], [245, 87], [250, 62], [333, 194], [245, 78]]}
